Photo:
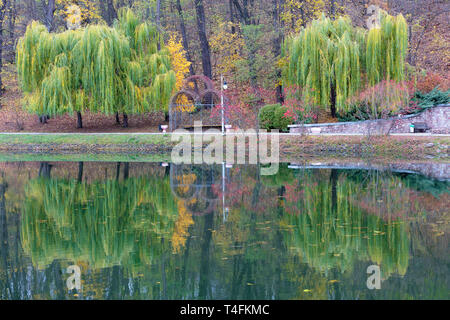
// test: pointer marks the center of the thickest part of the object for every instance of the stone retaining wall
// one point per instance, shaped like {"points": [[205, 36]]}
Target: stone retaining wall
{"points": [[437, 119]]}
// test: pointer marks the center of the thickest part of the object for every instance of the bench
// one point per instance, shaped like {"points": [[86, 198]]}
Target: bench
{"points": [[211, 126], [420, 127]]}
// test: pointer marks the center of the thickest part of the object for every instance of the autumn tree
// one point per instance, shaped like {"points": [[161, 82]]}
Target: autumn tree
{"points": [[96, 69], [327, 59]]}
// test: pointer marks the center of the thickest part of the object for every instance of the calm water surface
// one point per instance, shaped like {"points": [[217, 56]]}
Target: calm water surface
{"points": [[144, 231]]}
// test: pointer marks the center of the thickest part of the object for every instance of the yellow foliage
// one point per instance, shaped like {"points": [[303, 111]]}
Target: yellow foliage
{"points": [[178, 59], [226, 47], [181, 67], [297, 13], [88, 10], [182, 225]]}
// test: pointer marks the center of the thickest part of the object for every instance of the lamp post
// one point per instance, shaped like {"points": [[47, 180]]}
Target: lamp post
{"points": [[223, 86]]}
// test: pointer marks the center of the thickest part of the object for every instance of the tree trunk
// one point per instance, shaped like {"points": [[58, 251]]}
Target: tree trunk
{"points": [[201, 26], [80, 171], [4, 248], [3, 6], [79, 120], [278, 38], [118, 171], [158, 14], [233, 28], [117, 118], [126, 171], [125, 120], [333, 100], [49, 16], [45, 169], [184, 36], [110, 13], [205, 263], [333, 180], [12, 26]]}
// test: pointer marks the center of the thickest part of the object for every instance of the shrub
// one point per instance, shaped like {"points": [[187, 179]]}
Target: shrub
{"points": [[433, 98], [383, 100], [430, 81], [274, 116]]}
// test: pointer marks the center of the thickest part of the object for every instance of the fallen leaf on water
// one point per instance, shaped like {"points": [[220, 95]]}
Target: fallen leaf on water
{"points": [[333, 281]]}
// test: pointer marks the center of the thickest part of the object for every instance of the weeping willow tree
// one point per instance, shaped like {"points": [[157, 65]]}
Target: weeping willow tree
{"points": [[329, 58], [98, 69], [104, 223]]}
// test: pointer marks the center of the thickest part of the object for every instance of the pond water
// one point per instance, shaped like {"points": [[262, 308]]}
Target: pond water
{"points": [[147, 231]]}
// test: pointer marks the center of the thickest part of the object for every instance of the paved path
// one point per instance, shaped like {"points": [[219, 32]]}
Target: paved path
{"points": [[209, 133]]}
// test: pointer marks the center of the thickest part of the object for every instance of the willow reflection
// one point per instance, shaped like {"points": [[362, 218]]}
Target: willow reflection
{"points": [[104, 223]]}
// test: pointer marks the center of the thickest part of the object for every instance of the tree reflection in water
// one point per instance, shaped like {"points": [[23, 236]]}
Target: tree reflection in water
{"points": [[160, 235]]}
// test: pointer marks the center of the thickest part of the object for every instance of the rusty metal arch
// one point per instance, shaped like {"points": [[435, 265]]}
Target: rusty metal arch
{"points": [[204, 88], [209, 84]]}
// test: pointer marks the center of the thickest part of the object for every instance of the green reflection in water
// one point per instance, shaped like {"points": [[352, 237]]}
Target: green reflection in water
{"points": [[104, 223], [330, 223], [307, 234]]}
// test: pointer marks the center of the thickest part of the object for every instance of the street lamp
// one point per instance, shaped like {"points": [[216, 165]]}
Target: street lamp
{"points": [[223, 86]]}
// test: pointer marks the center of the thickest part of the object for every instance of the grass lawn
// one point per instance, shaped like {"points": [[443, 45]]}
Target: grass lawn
{"points": [[84, 139]]}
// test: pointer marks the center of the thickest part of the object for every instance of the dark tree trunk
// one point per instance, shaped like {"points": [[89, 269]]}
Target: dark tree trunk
{"points": [[158, 14], [4, 248], [205, 256], [233, 28], [118, 171], [12, 27], [126, 171], [333, 180], [201, 26], [243, 11], [45, 169], [125, 120], [333, 100], [278, 38], [79, 120], [3, 6], [184, 36], [117, 118], [111, 13], [80, 171], [49, 15]]}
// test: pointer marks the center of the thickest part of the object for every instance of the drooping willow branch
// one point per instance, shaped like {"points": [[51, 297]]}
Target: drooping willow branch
{"points": [[98, 69], [331, 60]]}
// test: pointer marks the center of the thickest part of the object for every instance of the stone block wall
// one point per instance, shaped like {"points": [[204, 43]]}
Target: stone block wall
{"points": [[436, 118]]}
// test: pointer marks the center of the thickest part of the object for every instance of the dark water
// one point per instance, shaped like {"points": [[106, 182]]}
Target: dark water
{"points": [[143, 231]]}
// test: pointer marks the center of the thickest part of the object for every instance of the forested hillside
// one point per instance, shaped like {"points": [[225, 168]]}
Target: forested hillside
{"points": [[243, 40]]}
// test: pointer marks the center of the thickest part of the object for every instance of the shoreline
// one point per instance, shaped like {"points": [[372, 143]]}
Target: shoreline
{"points": [[292, 146]]}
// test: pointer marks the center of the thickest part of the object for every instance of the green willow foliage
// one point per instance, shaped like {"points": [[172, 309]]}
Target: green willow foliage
{"points": [[328, 59], [331, 235], [104, 223], [386, 50], [97, 69]]}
